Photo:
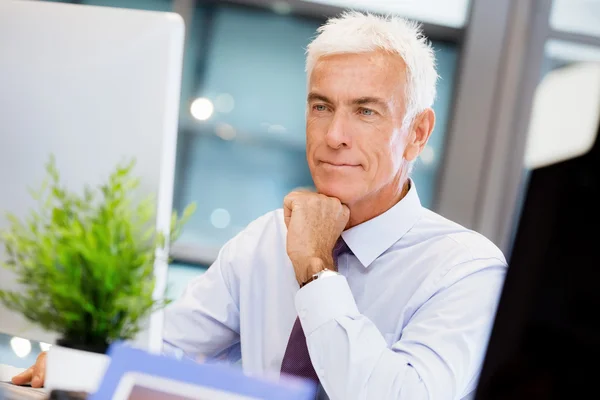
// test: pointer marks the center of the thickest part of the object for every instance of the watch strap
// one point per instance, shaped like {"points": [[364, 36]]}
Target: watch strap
{"points": [[323, 273]]}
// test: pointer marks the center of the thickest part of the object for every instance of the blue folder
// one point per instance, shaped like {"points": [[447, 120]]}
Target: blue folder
{"points": [[125, 360]]}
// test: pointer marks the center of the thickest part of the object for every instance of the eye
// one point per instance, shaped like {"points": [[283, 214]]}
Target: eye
{"points": [[319, 107], [367, 112]]}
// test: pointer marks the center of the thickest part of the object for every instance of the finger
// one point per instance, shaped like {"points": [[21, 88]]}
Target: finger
{"points": [[287, 211], [288, 206], [39, 372], [290, 199], [23, 378], [345, 211]]}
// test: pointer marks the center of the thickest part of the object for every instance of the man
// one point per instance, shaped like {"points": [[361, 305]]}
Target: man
{"points": [[356, 286]]}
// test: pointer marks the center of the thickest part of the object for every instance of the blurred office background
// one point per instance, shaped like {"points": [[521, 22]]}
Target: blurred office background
{"points": [[241, 134]]}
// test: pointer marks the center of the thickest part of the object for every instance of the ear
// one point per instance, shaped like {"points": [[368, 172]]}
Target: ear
{"points": [[419, 133]]}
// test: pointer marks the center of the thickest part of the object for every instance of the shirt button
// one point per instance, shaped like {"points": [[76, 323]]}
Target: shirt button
{"points": [[321, 372], [302, 314]]}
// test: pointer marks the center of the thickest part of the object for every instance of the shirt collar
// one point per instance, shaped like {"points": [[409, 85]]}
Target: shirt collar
{"points": [[372, 238]]}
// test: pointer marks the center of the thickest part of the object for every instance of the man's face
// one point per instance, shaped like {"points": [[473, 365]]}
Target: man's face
{"points": [[354, 138]]}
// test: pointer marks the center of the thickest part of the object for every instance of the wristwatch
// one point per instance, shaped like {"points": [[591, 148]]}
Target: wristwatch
{"points": [[325, 273]]}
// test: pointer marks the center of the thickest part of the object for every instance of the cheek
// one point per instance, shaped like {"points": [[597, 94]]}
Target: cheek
{"points": [[383, 163], [397, 147], [314, 141], [378, 147], [385, 158], [311, 136], [315, 127], [316, 131]]}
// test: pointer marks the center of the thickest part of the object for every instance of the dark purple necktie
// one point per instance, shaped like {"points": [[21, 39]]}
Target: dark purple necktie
{"points": [[296, 360]]}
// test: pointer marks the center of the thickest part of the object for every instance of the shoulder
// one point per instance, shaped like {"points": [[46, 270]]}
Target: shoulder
{"points": [[444, 253], [259, 243], [267, 230], [271, 221], [454, 252], [458, 242]]}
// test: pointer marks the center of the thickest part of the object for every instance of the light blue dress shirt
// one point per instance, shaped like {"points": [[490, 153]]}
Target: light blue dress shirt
{"points": [[409, 317]]}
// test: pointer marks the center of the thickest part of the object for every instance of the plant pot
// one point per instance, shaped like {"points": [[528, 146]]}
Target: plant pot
{"points": [[75, 368]]}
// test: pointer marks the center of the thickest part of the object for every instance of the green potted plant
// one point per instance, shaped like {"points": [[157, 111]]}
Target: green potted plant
{"points": [[85, 263]]}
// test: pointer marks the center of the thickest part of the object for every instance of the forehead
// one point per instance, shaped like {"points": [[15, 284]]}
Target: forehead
{"points": [[354, 75]]}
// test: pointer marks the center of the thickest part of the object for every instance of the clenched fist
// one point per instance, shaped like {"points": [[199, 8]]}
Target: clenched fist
{"points": [[314, 222]]}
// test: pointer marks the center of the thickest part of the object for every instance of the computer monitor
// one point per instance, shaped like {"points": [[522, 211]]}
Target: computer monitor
{"points": [[545, 343], [95, 86]]}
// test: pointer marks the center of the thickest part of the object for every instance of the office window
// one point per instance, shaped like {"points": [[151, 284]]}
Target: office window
{"points": [[452, 13], [150, 5], [241, 161], [559, 53], [566, 100], [241, 143], [427, 166], [576, 16]]}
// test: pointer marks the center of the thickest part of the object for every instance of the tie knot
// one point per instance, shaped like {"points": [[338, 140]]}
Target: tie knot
{"points": [[340, 248]]}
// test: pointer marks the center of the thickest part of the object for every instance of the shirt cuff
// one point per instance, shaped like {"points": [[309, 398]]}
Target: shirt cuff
{"points": [[323, 300]]}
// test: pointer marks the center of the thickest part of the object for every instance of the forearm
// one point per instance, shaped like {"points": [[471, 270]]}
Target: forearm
{"points": [[354, 363], [204, 322], [349, 354]]}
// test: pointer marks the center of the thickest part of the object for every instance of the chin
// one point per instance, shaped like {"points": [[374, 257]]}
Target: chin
{"points": [[346, 193]]}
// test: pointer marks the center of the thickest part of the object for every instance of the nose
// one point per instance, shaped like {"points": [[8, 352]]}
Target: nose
{"points": [[337, 135]]}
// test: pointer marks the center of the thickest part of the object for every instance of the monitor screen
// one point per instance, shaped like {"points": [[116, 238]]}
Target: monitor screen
{"points": [[545, 343], [140, 386]]}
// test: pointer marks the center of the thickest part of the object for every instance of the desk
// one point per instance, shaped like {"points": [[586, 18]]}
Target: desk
{"points": [[13, 392]]}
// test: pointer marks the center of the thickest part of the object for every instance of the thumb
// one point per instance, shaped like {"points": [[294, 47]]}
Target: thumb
{"points": [[346, 210], [346, 216]]}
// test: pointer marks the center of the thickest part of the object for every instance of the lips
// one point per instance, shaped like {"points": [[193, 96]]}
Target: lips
{"points": [[339, 164]]}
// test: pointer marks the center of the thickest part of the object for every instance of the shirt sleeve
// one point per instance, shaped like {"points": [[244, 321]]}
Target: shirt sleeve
{"points": [[440, 350], [205, 321]]}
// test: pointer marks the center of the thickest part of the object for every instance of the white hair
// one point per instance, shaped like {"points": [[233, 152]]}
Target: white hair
{"points": [[354, 32]]}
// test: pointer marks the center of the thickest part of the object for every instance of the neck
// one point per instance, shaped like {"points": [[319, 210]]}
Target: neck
{"points": [[377, 203]]}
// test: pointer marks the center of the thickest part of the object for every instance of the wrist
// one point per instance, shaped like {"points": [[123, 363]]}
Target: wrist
{"points": [[315, 265], [325, 273], [311, 266]]}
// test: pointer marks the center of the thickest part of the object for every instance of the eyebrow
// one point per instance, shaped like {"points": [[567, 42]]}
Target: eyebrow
{"points": [[370, 100], [312, 96], [361, 101]]}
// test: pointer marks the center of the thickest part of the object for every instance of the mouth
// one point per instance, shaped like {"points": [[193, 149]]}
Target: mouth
{"points": [[337, 165]]}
